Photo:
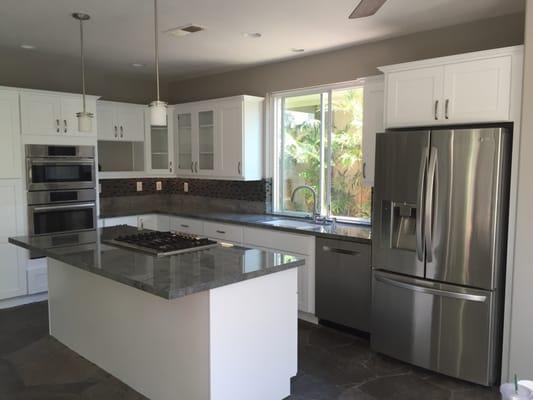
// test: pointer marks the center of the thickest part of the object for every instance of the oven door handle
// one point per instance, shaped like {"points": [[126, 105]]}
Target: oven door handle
{"points": [[63, 207], [74, 161]]}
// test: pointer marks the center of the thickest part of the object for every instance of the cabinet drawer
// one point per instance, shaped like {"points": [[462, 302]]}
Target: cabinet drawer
{"points": [[230, 233], [289, 242], [187, 225]]}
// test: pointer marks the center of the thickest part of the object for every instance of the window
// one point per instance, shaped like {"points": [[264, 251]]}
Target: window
{"points": [[318, 143]]}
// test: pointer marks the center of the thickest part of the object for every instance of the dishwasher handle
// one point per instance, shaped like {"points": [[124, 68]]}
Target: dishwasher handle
{"points": [[329, 249]]}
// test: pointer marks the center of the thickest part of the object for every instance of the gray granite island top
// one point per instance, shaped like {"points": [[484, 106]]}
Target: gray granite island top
{"points": [[168, 277]]}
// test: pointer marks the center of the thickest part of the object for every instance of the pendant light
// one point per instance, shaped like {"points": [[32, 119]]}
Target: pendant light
{"points": [[158, 108], [85, 123]]}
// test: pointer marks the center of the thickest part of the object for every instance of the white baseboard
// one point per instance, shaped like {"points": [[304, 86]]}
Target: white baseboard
{"points": [[19, 301], [308, 317]]}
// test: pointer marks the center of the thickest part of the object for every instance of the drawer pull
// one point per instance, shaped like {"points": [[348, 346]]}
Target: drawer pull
{"points": [[184, 226], [222, 232], [340, 251]]}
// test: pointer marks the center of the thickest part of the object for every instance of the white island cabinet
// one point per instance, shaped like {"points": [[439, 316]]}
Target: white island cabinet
{"points": [[215, 324]]}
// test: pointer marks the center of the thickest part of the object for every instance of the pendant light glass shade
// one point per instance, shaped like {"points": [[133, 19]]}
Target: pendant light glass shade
{"points": [[158, 108], [85, 119], [158, 113]]}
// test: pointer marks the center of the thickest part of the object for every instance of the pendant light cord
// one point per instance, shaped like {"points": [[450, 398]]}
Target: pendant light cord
{"points": [[82, 65], [156, 48]]}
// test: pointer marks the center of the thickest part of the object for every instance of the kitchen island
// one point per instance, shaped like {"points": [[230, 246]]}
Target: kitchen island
{"points": [[219, 323]]}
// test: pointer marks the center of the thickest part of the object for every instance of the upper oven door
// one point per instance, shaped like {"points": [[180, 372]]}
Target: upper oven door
{"points": [[46, 174]]}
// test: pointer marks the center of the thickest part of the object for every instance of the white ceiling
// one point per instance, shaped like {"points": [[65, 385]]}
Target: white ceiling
{"points": [[121, 31]]}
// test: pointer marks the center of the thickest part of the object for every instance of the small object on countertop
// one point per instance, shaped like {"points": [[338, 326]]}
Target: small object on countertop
{"points": [[516, 391]]}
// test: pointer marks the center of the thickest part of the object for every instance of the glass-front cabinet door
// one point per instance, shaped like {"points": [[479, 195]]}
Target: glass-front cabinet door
{"points": [[184, 142], [159, 143], [206, 142]]}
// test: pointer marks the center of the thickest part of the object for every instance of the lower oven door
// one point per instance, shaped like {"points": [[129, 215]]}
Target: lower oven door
{"points": [[57, 218], [442, 327]]}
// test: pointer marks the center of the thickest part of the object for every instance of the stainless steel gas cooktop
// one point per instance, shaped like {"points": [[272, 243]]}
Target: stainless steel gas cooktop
{"points": [[162, 243]]}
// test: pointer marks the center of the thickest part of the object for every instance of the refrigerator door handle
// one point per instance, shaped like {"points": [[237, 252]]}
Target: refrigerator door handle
{"points": [[430, 290], [430, 190], [420, 205]]}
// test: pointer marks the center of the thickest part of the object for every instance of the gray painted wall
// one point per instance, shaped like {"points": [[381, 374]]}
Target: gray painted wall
{"points": [[521, 348], [35, 70], [353, 62]]}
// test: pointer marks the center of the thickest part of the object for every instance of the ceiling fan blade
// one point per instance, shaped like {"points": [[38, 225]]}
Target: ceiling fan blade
{"points": [[366, 8]]}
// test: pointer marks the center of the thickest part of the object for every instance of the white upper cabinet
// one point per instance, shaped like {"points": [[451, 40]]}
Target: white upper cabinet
{"points": [[120, 121], [478, 90], [220, 138], [50, 113], [10, 147], [467, 88], [413, 96], [373, 118], [159, 146]]}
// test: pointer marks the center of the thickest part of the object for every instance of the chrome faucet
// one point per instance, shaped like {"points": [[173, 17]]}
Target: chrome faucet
{"points": [[313, 192]]}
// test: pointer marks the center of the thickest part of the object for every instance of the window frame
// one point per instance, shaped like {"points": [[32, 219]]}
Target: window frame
{"points": [[274, 146]]}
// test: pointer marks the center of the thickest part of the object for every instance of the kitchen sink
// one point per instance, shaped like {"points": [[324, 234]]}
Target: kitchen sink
{"points": [[290, 223]]}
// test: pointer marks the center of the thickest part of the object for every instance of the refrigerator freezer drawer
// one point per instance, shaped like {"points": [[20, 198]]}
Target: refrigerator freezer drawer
{"points": [[440, 327]]}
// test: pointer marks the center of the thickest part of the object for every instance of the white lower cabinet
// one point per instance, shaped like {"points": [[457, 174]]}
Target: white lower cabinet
{"points": [[129, 220], [37, 276], [187, 225], [298, 245], [225, 232], [12, 268]]}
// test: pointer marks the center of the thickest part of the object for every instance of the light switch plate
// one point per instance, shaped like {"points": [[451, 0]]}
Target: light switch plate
{"points": [[185, 187], [159, 185], [139, 186]]}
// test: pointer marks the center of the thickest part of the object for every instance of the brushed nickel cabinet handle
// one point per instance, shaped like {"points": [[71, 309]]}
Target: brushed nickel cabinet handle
{"points": [[436, 109], [185, 226], [364, 170], [222, 232], [239, 167], [446, 106], [116, 131], [57, 126], [65, 122], [196, 166], [121, 131], [192, 166]]}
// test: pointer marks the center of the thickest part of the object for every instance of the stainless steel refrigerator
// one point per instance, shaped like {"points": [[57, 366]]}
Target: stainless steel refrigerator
{"points": [[439, 248]]}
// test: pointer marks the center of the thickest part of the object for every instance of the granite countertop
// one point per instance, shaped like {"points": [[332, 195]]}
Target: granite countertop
{"points": [[341, 231], [168, 277]]}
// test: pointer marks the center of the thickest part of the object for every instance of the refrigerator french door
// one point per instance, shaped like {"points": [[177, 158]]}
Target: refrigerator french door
{"points": [[439, 240]]}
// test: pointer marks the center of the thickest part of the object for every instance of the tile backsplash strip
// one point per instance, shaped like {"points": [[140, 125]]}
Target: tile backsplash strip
{"points": [[218, 189]]}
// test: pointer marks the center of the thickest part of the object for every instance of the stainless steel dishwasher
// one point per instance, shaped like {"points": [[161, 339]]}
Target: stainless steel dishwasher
{"points": [[343, 283]]}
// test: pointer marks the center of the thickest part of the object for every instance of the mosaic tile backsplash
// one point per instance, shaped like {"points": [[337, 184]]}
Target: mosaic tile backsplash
{"points": [[218, 189]]}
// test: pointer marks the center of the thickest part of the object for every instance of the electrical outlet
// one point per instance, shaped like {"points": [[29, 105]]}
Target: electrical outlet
{"points": [[185, 187], [139, 186], [159, 185]]}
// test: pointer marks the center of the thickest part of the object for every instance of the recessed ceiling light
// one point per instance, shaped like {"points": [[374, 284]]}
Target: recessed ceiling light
{"points": [[297, 50], [137, 65], [27, 46], [185, 30], [253, 35]]}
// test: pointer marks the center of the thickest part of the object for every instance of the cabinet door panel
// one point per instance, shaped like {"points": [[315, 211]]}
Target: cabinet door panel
{"points": [[230, 140], [12, 273], [187, 225], [373, 104], [159, 146], [184, 142], [206, 142], [70, 106], [10, 163], [107, 124], [40, 114], [478, 91], [412, 96], [130, 120]]}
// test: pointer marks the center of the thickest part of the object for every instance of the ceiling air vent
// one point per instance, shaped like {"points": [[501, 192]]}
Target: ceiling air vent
{"points": [[185, 30]]}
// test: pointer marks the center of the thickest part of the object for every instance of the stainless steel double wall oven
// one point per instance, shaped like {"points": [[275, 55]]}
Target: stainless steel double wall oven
{"points": [[61, 183]]}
